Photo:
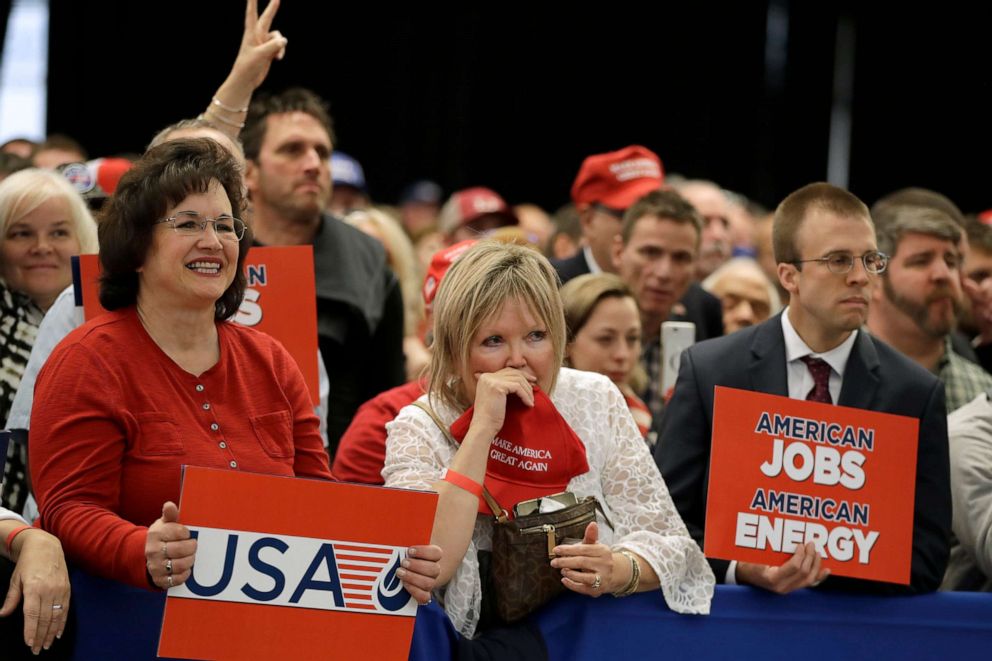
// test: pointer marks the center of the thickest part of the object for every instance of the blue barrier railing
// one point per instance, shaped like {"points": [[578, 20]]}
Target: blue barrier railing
{"points": [[121, 622]]}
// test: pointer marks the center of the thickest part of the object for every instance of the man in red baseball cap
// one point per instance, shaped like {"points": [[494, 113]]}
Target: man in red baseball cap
{"points": [[606, 185]]}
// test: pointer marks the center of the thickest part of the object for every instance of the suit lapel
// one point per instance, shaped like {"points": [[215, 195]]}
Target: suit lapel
{"points": [[861, 374], [767, 368]]}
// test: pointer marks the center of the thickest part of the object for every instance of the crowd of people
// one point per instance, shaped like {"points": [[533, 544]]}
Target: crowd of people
{"points": [[440, 321]]}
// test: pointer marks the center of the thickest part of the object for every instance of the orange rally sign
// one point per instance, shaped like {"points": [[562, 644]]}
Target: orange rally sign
{"points": [[291, 568], [785, 472], [280, 300]]}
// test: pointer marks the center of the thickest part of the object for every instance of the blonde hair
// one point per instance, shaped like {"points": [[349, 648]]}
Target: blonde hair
{"points": [[581, 295], [24, 191], [402, 260], [474, 290]]}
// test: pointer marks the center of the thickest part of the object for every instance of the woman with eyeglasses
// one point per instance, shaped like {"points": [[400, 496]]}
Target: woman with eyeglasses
{"points": [[164, 380]]}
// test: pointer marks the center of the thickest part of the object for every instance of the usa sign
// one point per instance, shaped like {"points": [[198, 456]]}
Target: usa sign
{"points": [[294, 568]]}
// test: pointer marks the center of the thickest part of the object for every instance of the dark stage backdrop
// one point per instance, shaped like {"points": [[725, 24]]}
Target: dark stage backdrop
{"points": [[513, 96]]}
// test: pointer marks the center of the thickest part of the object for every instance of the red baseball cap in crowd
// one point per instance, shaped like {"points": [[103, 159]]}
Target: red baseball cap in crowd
{"points": [[535, 454], [619, 178], [440, 263], [467, 206]]}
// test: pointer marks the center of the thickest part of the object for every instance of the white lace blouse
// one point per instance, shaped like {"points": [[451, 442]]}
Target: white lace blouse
{"points": [[622, 476]]}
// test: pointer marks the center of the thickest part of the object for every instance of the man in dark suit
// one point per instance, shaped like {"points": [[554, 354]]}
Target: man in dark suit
{"points": [[825, 246]]}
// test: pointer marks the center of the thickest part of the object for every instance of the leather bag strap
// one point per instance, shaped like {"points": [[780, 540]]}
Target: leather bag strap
{"points": [[501, 514]]}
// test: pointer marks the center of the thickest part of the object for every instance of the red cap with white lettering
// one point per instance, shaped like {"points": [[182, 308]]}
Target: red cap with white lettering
{"points": [[619, 178], [535, 454]]}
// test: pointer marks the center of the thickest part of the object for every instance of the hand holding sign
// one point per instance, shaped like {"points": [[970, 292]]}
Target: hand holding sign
{"points": [[420, 570], [802, 570], [169, 549], [824, 485], [342, 565]]}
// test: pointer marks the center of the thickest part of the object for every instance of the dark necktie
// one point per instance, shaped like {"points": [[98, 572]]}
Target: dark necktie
{"points": [[820, 371]]}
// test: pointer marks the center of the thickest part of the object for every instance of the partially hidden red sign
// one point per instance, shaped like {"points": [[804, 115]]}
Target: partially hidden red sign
{"points": [[290, 568], [785, 472], [280, 300]]}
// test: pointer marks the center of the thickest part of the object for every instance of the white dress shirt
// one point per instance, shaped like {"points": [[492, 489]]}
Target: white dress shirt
{"points": [[800, 380], [590, 260]]}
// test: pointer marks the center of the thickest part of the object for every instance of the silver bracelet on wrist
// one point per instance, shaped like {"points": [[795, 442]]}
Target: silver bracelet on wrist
{"points": [[223, 106], [224, 120]]}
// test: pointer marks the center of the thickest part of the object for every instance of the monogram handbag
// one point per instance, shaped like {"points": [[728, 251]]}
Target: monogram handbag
{"points": [[522, 577]]}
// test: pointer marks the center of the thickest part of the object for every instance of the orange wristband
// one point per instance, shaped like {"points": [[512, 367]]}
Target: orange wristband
{"points": [[463, 482], [14, 533]]}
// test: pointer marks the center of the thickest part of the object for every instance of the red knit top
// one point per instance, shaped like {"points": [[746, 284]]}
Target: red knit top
{"points": [[362, 449], [115, 419]]}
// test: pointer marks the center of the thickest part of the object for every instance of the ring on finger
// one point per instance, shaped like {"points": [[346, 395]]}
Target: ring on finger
{"points": [[168, 566], [56, 607], [165, 549], [169, 577], [597, 582]]}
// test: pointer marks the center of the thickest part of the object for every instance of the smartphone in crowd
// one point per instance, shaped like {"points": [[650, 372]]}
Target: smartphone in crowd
{"points": [[676, 337]]}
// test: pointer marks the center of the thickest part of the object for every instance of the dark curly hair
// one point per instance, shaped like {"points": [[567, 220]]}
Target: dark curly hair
{"points": [[162, 178]]}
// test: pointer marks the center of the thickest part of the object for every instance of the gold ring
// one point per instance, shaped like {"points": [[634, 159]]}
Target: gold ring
{"points": [[170, 580], [168, 566], [597, 582]]}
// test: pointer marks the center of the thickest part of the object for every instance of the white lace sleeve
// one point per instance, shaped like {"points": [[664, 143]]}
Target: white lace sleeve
{"points": [[416, 453], [644, 517]]}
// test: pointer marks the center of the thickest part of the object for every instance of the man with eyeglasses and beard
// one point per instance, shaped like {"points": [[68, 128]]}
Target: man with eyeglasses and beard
{"points": [[816, 349], [918, 303]]}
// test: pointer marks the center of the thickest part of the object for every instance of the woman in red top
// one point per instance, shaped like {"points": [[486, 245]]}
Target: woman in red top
{"points": [[164, 380], [604, 335]]}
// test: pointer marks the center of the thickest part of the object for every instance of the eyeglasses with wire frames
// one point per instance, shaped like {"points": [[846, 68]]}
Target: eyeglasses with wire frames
{"points": [[190, 223], [842, 262]]}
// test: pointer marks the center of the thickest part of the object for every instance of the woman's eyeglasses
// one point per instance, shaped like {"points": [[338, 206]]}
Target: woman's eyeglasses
{"points": [[190, 223]]}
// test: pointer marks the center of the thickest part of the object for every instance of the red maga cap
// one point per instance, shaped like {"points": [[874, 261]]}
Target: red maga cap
{"points": [[467, 206], [440, 263], [535, 454], [617, 179]]}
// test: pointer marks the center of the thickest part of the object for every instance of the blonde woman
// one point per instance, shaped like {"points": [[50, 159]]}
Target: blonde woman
{"points": [[43, 223], [604, 335], [499, 343]]}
